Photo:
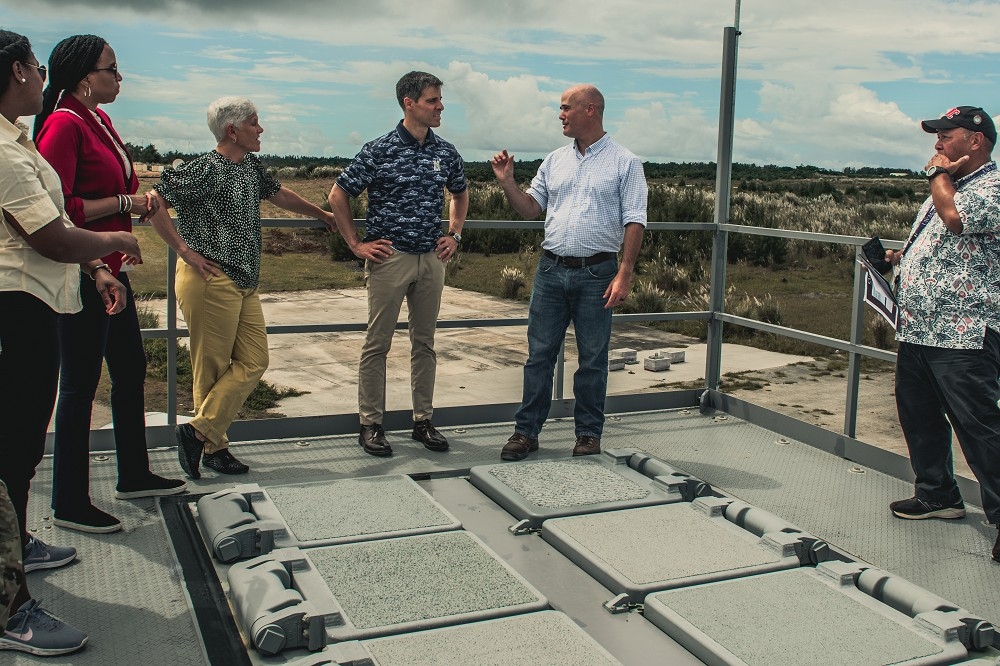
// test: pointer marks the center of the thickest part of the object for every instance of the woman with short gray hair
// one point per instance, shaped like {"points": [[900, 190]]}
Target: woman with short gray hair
{"points": [[217, 235], [227, 111]]}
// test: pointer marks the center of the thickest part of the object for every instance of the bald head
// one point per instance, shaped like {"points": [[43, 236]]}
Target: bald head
{"points": [[586, 94], [581, 111]]}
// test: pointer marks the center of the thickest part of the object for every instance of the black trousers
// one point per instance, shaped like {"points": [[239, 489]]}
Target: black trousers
{"points": [[938, 390], [86, 340], [29, 372]]}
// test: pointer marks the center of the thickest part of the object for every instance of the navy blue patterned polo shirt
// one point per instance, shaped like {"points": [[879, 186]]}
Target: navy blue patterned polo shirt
{"points": [[405, 182]]}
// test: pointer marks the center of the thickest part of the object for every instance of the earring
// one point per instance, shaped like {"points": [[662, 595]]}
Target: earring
{"points": [[87, 92], [234, 139], [24, 80]]}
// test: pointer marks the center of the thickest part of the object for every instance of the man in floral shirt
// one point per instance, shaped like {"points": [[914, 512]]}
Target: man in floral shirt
{"points": [[948, 363]]}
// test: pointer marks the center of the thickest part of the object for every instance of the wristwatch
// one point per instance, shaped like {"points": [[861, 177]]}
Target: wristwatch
{"points": [[456, 236], [935, 171]]}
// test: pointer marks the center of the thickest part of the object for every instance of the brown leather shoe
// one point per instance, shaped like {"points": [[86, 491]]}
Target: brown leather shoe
{"points": [[429, 436], [518, 447], [587, 445], [373, 441]]}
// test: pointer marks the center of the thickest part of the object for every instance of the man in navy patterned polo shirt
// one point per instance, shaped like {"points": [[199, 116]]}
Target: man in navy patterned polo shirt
{"points": [[405, 172], [948, 363]]}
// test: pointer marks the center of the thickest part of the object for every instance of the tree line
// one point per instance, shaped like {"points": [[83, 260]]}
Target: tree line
{"points": [[696, 172]]}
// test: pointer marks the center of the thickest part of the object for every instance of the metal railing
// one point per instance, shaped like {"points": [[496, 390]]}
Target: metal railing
{"points": [[346, 422]]}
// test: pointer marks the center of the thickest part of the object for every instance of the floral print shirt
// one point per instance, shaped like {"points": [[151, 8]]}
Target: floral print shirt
{"points": [[949, 284]]}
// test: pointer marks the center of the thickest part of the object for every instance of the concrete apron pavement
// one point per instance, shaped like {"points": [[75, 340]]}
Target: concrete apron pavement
{"points": [[475, 365]]}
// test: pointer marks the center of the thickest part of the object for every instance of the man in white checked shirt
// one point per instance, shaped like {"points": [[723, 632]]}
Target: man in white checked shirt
{"points": [[593, 192]]}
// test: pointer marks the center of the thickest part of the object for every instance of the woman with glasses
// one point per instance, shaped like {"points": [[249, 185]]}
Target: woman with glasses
{"points": [[99, 184], [36, 235]]}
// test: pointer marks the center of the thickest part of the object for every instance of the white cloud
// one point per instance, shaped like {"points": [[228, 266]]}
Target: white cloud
{"points": [[512, 113], [667, 131], [861, 72]]}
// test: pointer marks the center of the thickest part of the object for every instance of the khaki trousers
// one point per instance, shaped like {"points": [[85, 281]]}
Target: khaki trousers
{"points": [[419, 278], [228, 349]]}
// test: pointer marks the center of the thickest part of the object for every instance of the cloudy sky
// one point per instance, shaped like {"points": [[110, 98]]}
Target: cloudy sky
{"points": [[832, 84]]}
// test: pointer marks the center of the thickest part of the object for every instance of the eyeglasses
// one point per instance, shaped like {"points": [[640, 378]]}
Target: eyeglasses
{"points": [[42, 70], [113, 69]]}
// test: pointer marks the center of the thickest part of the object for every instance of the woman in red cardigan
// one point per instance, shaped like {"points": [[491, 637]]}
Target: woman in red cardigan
{"points": [[99, 185]]}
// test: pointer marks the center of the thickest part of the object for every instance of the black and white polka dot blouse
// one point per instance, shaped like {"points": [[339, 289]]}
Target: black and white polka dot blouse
{"points": [[218, 210]]}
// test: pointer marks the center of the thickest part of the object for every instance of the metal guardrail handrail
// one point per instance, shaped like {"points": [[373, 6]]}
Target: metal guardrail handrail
{"points": [[852, 346]]}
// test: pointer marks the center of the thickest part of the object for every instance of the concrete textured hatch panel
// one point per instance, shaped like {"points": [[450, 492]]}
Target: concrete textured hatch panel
{"points": [[248, 520], [536, 639], [375, 588], [536, 491], [329, 513], [815, 616], [638, 551]]}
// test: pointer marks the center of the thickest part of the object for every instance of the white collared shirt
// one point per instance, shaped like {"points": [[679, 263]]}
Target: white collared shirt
{"points": [[30, 191], [589, 197]]}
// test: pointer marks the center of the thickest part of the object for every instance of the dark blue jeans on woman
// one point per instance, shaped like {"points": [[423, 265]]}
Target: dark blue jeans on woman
{"points": [[29, 372], [86, 340], [561, 296]]}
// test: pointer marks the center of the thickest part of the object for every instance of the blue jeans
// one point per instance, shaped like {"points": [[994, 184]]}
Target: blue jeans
{"points": [[939, 390], [561, 296], [86, 340]]}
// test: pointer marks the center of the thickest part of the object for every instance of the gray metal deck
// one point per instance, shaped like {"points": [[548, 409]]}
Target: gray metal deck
{"points": [[126, 591]]}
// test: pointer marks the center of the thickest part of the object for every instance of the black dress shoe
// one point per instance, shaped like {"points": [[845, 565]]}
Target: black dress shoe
{"points": [[189, 449], [996, 546], [373, 441], [518, 447], [587, 446], [432, 440]]}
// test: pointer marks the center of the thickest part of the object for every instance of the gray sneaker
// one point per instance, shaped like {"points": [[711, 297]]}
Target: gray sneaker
{"points": [[33, 629], [40, 555]]}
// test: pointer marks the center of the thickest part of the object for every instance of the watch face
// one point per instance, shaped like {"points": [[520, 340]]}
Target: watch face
{"points": [[934, 170]]}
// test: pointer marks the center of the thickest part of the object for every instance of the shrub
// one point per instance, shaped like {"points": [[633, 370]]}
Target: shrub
{"points": [[645, 297], [666, 275], [882, 335], [265, 396], [156, 348], [742, 304], [512, 280]]}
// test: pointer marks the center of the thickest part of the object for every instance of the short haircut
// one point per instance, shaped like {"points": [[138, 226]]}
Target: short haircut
{"points": [[227, 111], [412, 85]]}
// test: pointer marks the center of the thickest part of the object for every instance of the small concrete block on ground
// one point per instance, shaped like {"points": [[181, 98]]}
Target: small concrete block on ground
{"points": [[656, 363]]}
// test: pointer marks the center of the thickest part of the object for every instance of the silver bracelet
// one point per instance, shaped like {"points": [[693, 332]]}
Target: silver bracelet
{"points": [[93, 271]]}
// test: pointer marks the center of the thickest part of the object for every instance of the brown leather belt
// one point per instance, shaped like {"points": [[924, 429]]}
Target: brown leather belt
{"points": [[579, 262]]}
